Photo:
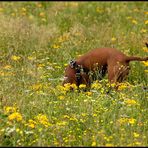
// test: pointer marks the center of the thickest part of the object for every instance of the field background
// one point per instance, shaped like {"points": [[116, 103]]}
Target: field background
{"points": [[37, 40]]}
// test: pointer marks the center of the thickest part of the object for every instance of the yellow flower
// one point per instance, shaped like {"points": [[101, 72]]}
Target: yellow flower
{"points": [[130, 102], [136, 135], [7, 67], [146, 22], [15, 58], [31, 58], [74, 86], [67, 86], [44, 20], [31, 123], [134, 21], [145, 63], [39, 5], [1, 9], [122, 86], [15, 116], [55, 46], [145, 49], [74, 4], [113, 39], [89, 93], [82, 86], [43, 120], [96, 85], [109, 145], [94, 115], [93, 143], [84, 114], [136, 10], [61, 97], [143, 31], [122, 120], [24, 9], [65, 64], [36, 86], [99, 10], [131, 121], [9, 109], [138, 143], [42, 14]]}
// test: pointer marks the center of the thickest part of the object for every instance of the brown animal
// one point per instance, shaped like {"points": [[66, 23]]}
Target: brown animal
{"points": [[94, 65]]}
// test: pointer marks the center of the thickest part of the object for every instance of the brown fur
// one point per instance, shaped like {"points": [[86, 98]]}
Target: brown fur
{"points": [[112, 61]]}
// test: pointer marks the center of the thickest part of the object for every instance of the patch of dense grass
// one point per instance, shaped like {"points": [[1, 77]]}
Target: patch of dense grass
{"points": [[37, 40]]}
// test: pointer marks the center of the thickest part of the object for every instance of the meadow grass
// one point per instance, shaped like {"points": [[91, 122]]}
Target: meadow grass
{"points": [[37, 40]]}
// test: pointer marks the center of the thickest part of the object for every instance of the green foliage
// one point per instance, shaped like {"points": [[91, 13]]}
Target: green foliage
{"points": [[37, 40]]}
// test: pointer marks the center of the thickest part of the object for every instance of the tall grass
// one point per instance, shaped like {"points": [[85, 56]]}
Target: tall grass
{"points": [[37, 40]]}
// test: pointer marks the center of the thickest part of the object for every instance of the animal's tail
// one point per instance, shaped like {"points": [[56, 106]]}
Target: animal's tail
{"points": [[132, 58], [128, 59]]}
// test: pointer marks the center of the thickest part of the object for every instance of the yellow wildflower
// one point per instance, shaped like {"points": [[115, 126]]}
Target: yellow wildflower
{"points": [[109, 145], [9, 109], [145, 49], [24, 9], [31, 58], [145, 63], [96, 85], [14, 116], [31, 123], [1, 9], [134, 21], [7, 67], [43, 120], [82, 86], [93, 143], [89, 93], [40, 65], [15, 58], [137, 143], [94, 115], [67, 86], [61, 123], [42, 14], [122, 120], [99, 10], [55, 46], [131, 121], [44, 20], [65, 64], [146, 22], [84, 114], [136, 10], [136, 135], [74, 4], [113, 39], [36, 86], [130, 102], [61, 97], [39, 5], [143, 31], [122, 86]]}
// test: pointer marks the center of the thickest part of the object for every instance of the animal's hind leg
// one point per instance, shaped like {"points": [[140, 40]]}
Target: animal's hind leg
{"points": [[117, 72]]}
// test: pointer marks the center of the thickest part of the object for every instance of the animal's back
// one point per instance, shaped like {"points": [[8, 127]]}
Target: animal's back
{"points": [[98, 55]]}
